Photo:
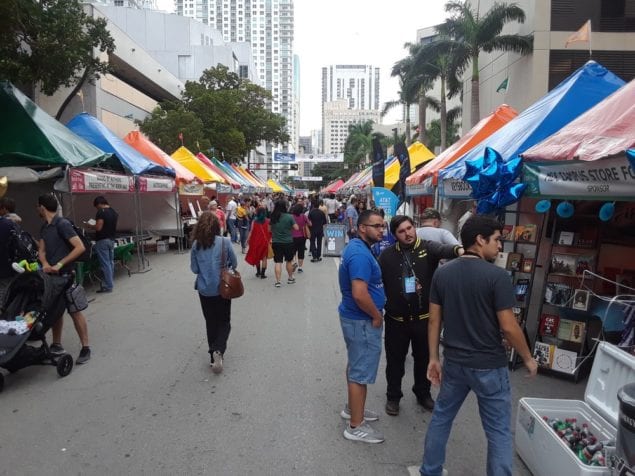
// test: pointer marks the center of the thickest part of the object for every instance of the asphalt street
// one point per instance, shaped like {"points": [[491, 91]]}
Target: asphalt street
{"points": [[147, 402]]}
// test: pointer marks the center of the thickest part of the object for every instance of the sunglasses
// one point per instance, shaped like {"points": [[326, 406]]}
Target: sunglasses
{"points": [[376, 225]]}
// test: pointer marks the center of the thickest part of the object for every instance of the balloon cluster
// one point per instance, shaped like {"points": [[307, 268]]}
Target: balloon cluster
{"points": [[492, 181]]}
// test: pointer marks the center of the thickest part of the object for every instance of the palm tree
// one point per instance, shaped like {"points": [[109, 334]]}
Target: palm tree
{"points": [[451, 128], [358, 144], [465, 35]]}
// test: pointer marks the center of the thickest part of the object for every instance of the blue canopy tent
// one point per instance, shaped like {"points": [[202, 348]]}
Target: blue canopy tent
{"points": [[586, 87], [95, 132]]}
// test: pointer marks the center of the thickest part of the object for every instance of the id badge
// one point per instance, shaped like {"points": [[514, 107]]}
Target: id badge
{"points": [[410, 284]]}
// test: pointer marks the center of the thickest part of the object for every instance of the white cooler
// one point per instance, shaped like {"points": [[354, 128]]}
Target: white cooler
{"points": [[544, 453]]}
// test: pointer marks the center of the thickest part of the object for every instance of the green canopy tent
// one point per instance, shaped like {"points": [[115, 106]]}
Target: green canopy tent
{"points": [[30, 137]]}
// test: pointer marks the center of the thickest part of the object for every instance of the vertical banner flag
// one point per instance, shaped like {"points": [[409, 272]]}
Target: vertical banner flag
{"points": [[379, 157], [401, 152]]}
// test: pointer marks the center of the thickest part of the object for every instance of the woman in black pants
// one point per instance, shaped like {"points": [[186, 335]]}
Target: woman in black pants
{"points": [[206, 261], [318, 219]]}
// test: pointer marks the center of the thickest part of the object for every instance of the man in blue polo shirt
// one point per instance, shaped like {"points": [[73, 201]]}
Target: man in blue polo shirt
{"points": [[361, 319]]}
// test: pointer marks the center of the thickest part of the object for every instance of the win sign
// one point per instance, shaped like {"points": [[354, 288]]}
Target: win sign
{"points": [[334, 239]]}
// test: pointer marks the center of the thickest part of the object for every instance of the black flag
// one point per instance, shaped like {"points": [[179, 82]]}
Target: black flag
{"points": [[379, 157], [401, 152]]}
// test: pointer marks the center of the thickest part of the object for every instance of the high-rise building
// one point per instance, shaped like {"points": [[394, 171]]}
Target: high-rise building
{"points": [[268, 26], [347, 87]]}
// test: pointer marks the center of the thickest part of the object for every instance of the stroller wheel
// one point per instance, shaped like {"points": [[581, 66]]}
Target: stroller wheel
{"points": [[64, 365]]}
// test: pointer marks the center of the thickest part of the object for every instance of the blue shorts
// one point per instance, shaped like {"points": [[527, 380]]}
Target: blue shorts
{"points": [[363, 345]]}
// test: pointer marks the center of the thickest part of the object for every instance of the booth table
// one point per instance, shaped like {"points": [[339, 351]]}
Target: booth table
{"points": [[123, 255]]}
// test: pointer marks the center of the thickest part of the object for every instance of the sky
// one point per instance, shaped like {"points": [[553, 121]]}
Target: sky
{"points": [[371, 32]]}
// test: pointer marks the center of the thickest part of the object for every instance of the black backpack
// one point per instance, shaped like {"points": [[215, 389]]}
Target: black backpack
{"points": [[88, 245], [21, 245]]}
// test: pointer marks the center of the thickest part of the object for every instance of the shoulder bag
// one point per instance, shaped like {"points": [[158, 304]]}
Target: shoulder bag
{"points": [[306, 231], [231, 284]]}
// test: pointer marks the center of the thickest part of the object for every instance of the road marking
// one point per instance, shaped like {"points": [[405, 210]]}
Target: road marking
{"points": [[337, 262]]}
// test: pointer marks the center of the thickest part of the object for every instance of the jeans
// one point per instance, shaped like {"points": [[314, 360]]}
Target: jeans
{"points": [[398, 338], [492, 390], [315, 244], [244, 231], [217, 314], [105, 250], [231, 228]]}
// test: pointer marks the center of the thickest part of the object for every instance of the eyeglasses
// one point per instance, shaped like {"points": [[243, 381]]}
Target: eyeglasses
{"points": [[377, 226]]}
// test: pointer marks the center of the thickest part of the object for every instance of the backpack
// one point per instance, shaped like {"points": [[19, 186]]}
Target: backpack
{"points": [[21, 245], [88, 245]]}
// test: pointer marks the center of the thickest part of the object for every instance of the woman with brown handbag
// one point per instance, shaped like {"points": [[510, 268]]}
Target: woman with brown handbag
{"points": [[301, 234], [259, 240], [206, 259]]}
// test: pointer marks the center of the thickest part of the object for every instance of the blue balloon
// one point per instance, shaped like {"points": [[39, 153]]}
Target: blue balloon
{"points": [[491, 156], [543, 206], [510, 195], [490, 178], [606, 211], [484, 207], [473, 167], [565, 210], [511, 170]]}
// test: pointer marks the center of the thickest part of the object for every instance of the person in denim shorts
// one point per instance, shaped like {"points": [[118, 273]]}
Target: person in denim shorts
{"points": [[59, 246], [361, 319]]}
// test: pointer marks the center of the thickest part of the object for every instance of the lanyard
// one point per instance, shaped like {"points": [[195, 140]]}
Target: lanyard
{"points": [[471, 253]]}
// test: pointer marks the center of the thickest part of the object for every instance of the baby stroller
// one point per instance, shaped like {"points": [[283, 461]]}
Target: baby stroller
{"points": [[42, 296]]}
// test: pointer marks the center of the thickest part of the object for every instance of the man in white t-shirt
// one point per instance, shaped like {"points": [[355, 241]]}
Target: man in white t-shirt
{"points": [[332, 206], [230, 213], [431, 228]]}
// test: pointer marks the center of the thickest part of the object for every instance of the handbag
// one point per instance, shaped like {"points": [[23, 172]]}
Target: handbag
{"points": [[306, 231], [269, 251], [231, 284]]}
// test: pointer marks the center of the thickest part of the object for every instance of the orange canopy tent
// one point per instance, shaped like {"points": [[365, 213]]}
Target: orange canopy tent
{"points": [[142, 144], [481, 131]]}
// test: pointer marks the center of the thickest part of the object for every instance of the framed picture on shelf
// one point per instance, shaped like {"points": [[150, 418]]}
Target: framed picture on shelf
{"points": [[558, 294], [543, 354], [521, 288], [514, 261], [586, 237], [584, 263], [564, 360], [501, 259], [508, 232], [563, 264], [565, 238], [549, 325], [577, 331], [580, 299], [525, 233], [528, 265]]}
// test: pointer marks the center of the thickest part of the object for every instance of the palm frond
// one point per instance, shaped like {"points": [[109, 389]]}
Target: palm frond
{"points": [[495, 19], [453, 114], [388, 106], [511, 43]]}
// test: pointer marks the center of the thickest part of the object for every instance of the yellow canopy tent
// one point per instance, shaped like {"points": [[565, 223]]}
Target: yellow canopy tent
{"points": [[419, 155], [274, 186], [188, 160]]}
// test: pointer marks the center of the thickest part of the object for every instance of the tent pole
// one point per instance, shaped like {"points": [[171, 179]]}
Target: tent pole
{"points": [[179, 222], [141, 257]]}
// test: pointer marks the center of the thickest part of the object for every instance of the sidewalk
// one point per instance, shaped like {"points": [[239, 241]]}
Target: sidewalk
{"points": [[148, 403]]}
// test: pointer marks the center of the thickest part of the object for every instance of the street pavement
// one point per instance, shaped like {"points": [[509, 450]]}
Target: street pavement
{"points": [[147, 402]]}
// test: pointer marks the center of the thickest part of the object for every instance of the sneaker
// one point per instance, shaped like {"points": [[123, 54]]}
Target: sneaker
{"points": [[17, 268], [57, 349], [392, 408], [368, 414], [258, 274], [84, 356], [314, 260], [104, 290], [291, 281], [319, 259], [300, 270], [217, 364], [363, 432], [426, 403], [263, 275], [277, 284]]}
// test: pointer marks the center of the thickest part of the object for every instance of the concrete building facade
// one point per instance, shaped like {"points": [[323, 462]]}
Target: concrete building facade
{"points": [[268, 26], [337, 117]]}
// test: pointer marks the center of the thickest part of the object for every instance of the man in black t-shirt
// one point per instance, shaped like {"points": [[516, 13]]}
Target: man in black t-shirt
{"points": [[318, 220], [106, 228], [473, 299], [6, 271]]}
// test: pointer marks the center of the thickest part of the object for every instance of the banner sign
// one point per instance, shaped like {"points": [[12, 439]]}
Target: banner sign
{"points": [[283, 157], [598, 180], [87, 181], [454, 188], [379, 156], [320, 158], [334, 239], [387, 200], [194, 188], [423, 188], [307, 179], [155, 184]]}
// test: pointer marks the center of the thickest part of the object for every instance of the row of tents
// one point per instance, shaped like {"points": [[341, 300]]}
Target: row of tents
{"points": [[84, 158], [571, 143]]}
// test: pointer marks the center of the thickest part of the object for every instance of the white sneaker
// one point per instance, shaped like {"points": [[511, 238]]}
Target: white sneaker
{"points": [[368, 414], [217, 365], [364, 433]]}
